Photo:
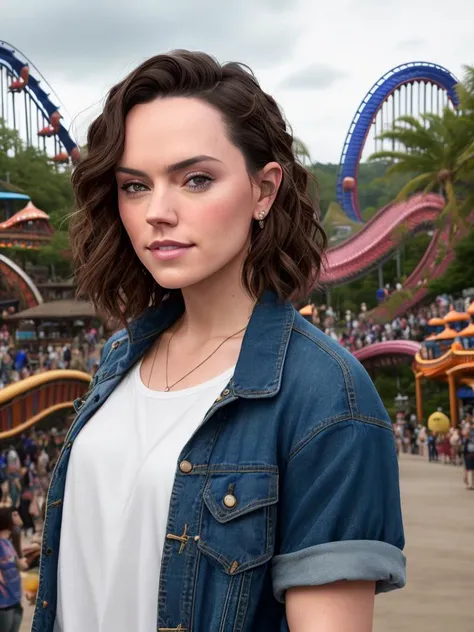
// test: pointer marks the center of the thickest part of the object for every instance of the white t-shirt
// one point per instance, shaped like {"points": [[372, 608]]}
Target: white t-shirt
{"points": [[118, 488]]}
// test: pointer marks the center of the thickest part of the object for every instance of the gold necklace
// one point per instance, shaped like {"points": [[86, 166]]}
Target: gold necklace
{"points": [[168, 388]]}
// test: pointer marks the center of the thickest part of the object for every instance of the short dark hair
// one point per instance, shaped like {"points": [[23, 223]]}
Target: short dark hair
{"points": [[6, 519], [284, 257]]}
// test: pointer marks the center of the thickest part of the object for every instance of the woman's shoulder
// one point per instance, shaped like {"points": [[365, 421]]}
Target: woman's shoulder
{"points": [[319, 368]]}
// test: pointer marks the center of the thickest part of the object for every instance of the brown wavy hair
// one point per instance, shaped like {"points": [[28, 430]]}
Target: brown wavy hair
{"points": [[285, 256]]}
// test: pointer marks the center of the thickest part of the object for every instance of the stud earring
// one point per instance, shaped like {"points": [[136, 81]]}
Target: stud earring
{"points": [[261, 218]]}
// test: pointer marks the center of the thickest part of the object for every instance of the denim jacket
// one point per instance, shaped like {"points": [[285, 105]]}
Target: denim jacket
{"points": [[300, 439]]}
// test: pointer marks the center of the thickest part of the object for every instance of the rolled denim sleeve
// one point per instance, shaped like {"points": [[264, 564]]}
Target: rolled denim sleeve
{"points": [[340, 514]]}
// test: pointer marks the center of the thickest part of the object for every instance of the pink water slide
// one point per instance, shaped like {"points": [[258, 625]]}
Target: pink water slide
{"points": [[403, 350], [379, 238]]}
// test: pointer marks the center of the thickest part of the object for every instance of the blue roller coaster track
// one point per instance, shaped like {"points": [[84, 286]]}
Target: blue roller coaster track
{"points": [[366, 113], [9, 58]]}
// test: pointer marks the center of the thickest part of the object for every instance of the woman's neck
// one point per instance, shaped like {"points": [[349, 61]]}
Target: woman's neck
{"points": [[5, 534], [215, 311]]}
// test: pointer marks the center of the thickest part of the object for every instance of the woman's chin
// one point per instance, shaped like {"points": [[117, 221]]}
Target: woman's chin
{"points": [[176, 281]]}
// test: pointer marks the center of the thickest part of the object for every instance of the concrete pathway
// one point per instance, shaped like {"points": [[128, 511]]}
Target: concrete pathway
{"points": [[439, 525]]}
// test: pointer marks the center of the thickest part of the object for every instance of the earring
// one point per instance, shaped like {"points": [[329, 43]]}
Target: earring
{"points": [[261, 217]]}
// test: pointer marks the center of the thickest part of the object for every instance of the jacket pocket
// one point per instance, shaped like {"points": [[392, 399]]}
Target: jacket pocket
{"points": [[239, 517]]}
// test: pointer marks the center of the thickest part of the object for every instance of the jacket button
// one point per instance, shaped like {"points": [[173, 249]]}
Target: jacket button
{"points": [[45, 604], [48, 551], [225, 392], [233, 568], [116, 344], [185, 467], [230, 501]]}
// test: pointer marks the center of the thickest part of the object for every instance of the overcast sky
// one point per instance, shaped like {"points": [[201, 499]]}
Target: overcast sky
{"points": [[317, 57]]}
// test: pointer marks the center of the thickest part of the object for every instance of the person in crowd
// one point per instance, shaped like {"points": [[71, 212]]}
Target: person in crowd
{"points": [[42, 468], [455, 441], [11, 610], [469, 459], [432, 447], [28, 502], [195, 229], [66, 353], [444, 447], [422, 439]]}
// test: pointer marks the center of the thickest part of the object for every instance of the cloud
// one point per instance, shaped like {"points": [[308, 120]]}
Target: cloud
{"points": [[411, 44], [84, 38], [83, 47], [314, 77]]}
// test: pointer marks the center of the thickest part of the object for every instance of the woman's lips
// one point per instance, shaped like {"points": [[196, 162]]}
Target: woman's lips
{"points": [[166, 253]]}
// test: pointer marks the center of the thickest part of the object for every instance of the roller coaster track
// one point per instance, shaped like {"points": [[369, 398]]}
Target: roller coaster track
{"points": [[378, 239], [399, 351], [29, 401]]}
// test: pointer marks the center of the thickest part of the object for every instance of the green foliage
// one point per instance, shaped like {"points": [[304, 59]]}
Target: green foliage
{"points": [[460, 273], [302, 152], [50, 255], [336, 218], [435, 394], [438, 154], [29, 170]]}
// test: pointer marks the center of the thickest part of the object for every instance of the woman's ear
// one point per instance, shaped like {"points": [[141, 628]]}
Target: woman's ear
{"points": [[268, 180]]}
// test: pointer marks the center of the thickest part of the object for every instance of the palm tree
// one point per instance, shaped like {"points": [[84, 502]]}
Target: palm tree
{"points": [[466, 106], [302, 152], [438, 153]]}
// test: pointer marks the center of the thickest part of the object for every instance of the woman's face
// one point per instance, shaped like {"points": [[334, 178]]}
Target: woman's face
{"points": [[184, 194]]}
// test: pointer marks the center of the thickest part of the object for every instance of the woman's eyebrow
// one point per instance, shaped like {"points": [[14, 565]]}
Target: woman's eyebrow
{"points": [[177, 166], [188, 162]]}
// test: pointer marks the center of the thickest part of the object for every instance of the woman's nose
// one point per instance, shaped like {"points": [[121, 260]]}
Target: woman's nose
{"points": [[162, 209]]}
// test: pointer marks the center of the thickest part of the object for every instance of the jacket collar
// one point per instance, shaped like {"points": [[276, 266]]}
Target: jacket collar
{"points": [[260, 365]]}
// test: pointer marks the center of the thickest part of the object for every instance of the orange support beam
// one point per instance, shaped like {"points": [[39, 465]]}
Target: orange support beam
{"points": [[419, 397], [453, 401]]}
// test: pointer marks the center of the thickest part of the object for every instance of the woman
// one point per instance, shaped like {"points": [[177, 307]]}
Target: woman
{"points": [[238, 470], [11, 610]]}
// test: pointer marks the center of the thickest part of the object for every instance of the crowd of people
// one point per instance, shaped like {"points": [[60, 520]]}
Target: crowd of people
{"points": [[25, 471], [17, 362], [454, 447], [354, 331], [27, 463]]}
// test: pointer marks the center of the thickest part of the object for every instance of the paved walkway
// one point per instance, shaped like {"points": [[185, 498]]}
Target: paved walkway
{"points": [[439, 525]]}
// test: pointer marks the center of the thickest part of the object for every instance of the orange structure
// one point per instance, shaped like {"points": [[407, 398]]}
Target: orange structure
{"points": [[27, 228], [29, 401], [447, 356]]}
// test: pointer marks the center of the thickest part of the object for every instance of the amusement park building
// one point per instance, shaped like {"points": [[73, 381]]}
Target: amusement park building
{"points": [[447, 355]]}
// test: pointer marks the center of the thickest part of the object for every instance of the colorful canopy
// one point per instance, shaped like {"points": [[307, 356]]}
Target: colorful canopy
{"points": [[435, 322], [447, 334], [455, 317], [467, 331]]}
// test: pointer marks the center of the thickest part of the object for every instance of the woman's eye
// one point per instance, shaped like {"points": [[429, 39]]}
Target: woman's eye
{"points": [[133, 187], [198, 181]]}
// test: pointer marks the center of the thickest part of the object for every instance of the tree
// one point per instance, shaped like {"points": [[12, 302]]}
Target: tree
{"points": [[460, 273], [301, 151], [30, 170], [438, 153]]}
